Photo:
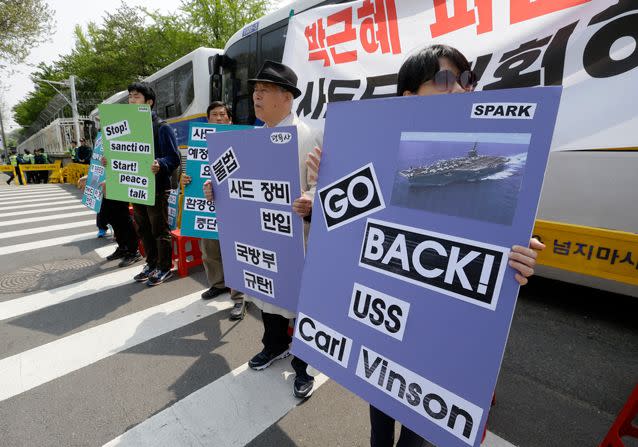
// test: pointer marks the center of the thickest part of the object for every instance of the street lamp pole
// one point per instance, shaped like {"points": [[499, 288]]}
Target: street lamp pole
{"points": [[74, 109], [4, 138], [73, 102]]}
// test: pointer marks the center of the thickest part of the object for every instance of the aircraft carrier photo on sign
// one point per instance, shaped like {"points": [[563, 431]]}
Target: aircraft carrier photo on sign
{"points": [[476, 176]]}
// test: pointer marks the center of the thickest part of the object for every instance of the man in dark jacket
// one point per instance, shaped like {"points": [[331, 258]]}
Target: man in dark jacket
{"points": [[83, 153], [152, 221]]}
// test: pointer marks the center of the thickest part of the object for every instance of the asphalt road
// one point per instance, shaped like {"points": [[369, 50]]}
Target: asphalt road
{"points": [[87, 357]]}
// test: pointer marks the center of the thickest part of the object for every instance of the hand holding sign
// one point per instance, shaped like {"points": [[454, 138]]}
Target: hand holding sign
{"points": [[303, 205], [208, 190]]}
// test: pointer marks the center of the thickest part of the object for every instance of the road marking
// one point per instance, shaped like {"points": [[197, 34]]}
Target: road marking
{"points": [[49, 197], [13, 193], [37, 301], [492, 440], [103, 252], [46, 229], [11, 249], [36, 205], [229, 412], [7, 223], [43, 210], [32, 368]]}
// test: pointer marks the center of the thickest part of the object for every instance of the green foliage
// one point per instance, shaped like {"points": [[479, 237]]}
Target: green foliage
{"points": [[23, 25], [220, 19], [132, 44]]}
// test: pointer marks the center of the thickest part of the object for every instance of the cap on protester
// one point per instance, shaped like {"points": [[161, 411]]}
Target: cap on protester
{"points": [[278, 74]]}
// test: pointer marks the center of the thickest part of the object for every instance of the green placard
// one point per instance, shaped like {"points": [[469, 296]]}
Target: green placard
{"points": [[127, 133]]}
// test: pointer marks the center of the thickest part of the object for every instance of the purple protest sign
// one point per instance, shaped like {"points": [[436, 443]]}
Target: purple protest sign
{"points": [[255, 177], [407, 297]]}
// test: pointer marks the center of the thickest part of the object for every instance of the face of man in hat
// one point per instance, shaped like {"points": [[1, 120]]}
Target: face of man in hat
{"points": [[272, 102]]}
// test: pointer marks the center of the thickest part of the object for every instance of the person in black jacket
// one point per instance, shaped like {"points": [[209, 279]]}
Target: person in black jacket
{"points": [[83, 153], [152, 221]]}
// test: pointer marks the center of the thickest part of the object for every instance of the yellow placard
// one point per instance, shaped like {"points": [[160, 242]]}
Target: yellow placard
{"points": [[591, 251], [6, 168]]}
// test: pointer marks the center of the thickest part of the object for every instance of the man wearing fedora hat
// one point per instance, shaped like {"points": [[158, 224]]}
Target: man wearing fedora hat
{"points": [[275, 88]]}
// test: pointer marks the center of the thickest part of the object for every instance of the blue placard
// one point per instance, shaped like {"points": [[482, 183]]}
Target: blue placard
{"points": [[255, 180], [407, 296], [93, 192], [198, 214], [173, 208]]}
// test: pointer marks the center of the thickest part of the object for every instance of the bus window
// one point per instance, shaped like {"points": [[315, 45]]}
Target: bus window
{"points": [[184, 88], [272, 44], [165, 94], [239, 65]]}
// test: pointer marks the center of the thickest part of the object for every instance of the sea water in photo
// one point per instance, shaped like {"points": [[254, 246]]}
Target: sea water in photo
{"points": [[470, 175]]}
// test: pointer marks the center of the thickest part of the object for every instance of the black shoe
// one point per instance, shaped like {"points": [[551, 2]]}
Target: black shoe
{"points": [[158, 277], [213, 292], [239, 310], [303, 386], [117, 254], [144, 274], [130, 258], [265, 358]]}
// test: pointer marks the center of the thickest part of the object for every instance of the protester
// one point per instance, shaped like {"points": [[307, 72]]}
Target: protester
{"points": [[217, 113], [83, 153], [435, 70], [117, 214], [275, 88], [152, 221]]}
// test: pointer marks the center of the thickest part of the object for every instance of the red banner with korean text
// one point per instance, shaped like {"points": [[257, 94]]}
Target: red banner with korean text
{"points": [[353, 51]]}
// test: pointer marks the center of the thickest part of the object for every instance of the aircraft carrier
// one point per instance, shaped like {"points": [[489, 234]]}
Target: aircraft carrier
{"points": [[471, 168]]}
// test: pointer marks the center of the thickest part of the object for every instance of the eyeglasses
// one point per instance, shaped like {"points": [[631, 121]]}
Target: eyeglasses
{"points": [[444, 80]]}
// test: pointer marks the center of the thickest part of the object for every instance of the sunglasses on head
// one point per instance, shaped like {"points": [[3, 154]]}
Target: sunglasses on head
{"points": [[444, 80]]}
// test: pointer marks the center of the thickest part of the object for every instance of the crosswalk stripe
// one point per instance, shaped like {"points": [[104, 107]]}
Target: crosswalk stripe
{"points": [[37, 301], [32, 368], [17, 248], [13, 192], [43, 210], [103, 252], [492, 440], [229, 412], [36, 205], [7, 223], [46, 229], [49, 197]]}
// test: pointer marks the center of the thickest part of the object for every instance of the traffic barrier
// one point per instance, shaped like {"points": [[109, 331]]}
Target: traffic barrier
{"points": [[185, 257], [71, 173], [623, 425], [24, 168]]}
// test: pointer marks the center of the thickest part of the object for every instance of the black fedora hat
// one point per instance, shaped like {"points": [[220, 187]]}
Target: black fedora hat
{"points": [[279, 74]]}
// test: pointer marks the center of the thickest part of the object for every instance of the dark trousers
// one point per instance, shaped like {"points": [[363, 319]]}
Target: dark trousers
{"points": [[276, 339], [116, 213], [15, 174], [101, 219], [152, 224], [382, 432]]}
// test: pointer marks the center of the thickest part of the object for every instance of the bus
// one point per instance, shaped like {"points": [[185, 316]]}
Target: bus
{"points": [[588, 201], [184, 89]]}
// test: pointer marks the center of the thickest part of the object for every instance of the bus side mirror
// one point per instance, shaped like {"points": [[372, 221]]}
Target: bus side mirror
{"points": [[215, 87]]}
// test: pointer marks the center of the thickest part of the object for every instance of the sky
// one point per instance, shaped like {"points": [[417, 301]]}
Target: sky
{"points": [[15, 87]]}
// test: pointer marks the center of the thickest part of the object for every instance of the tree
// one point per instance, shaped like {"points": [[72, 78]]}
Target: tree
{"points": [[23, 25], [134, 43], [218, 20]]}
